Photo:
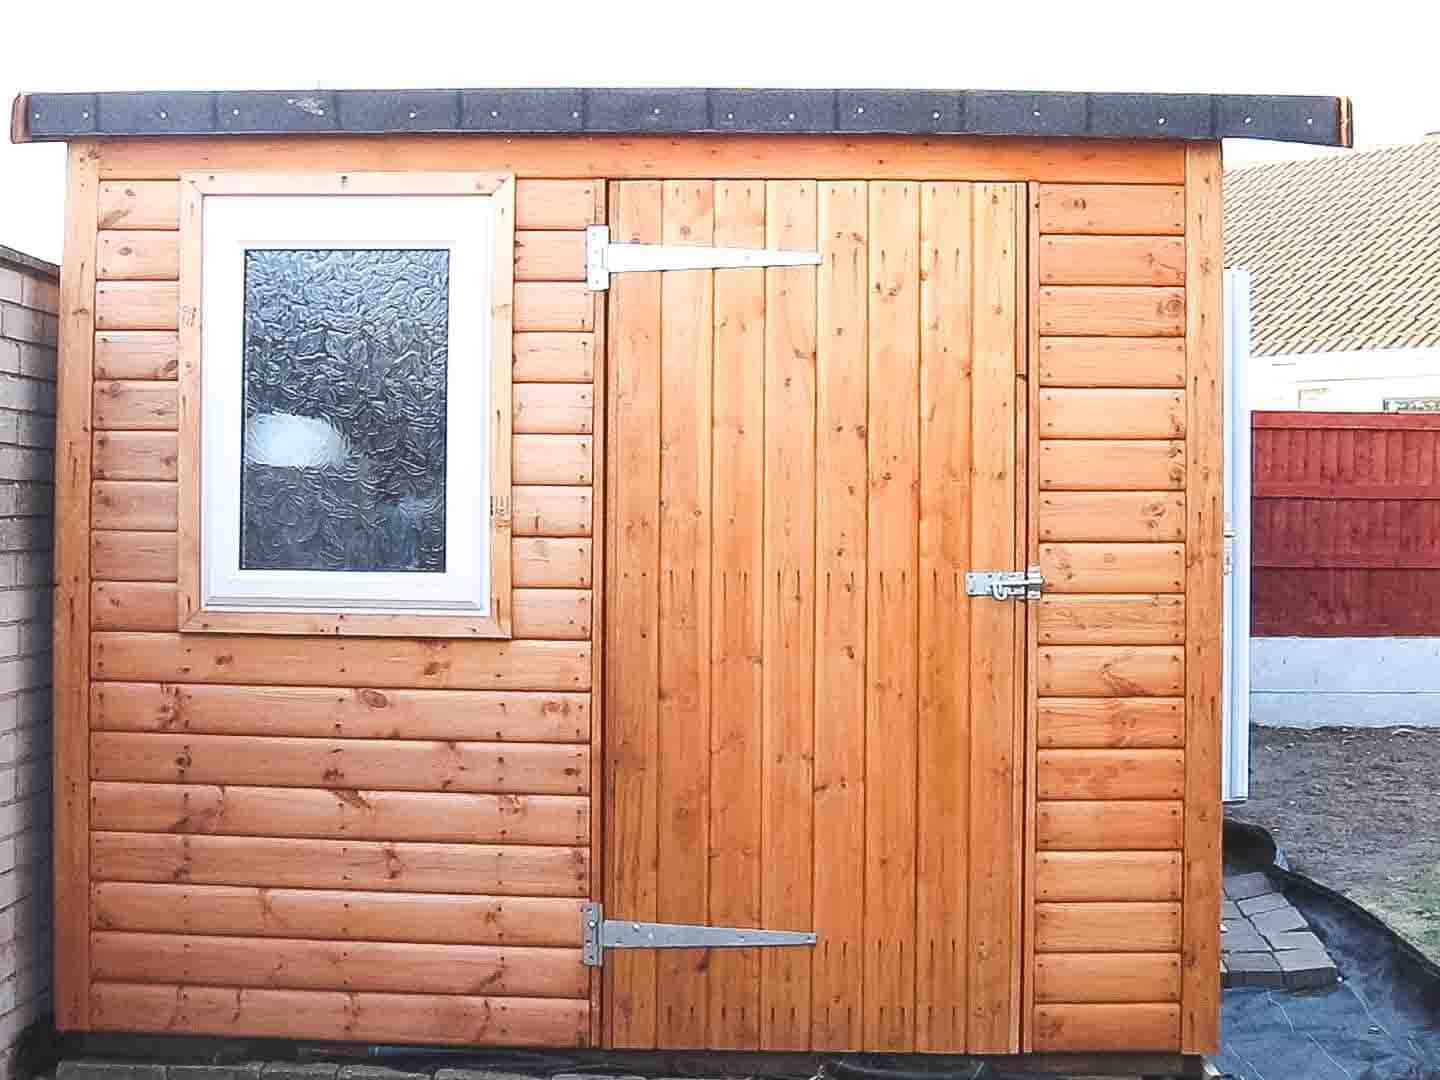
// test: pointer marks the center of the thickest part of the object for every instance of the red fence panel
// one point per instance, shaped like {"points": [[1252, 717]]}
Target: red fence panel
{"points": [[1345, 524]]}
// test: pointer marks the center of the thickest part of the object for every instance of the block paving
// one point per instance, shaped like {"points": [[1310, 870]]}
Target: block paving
{"points": [[1265, 941]]}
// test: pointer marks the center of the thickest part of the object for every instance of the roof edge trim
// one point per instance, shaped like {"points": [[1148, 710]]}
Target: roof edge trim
{"points": [[46, 117]]}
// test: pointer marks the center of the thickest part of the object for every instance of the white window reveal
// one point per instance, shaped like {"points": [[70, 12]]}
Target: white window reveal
{"points": [[348, 406]]}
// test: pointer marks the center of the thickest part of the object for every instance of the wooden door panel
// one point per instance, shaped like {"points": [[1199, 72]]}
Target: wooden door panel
{"points": [[841, 538], [632, 658], [737, 613], [808, 724]]}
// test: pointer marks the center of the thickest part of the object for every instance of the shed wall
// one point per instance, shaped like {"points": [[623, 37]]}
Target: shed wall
{"points": [[1124, 441], [243, 848], [306, 817]]}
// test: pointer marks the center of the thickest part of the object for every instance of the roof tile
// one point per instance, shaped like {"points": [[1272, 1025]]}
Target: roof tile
{"points": [[1343, 251]]}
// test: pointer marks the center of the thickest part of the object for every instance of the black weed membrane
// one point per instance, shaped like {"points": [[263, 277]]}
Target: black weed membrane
{"points": [[1380, 1022]]}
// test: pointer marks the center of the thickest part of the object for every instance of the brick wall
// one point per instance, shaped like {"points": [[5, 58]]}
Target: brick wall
{"points": [[27, 439]]}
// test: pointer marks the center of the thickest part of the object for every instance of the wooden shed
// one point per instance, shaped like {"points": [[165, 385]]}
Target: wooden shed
{"points": [[503, 532]]}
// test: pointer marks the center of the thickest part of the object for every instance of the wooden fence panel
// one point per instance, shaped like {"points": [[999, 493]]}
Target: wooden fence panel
{"points": [[1345, 524]]}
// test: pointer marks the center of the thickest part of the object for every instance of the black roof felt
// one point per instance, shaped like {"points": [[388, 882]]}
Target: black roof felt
{"points": [[1321, 120]]}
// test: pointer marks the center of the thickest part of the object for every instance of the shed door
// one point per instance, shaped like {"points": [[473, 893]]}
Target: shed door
{"points": [[808, 724]]}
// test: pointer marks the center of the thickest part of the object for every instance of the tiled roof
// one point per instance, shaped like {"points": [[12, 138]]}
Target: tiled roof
{"points": [[1344, 251]]}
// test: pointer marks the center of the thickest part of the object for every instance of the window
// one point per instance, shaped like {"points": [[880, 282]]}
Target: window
{"points": [[345, 367]]}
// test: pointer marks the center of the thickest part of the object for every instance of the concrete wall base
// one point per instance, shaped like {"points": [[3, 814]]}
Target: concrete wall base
{"points": [[1365, 682]]}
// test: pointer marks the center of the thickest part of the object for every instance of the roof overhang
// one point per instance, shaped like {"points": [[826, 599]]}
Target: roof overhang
{"points": [[1324, 121]]}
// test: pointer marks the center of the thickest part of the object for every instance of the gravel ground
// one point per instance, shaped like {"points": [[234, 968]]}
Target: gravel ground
{"points": [[1357, 810]]}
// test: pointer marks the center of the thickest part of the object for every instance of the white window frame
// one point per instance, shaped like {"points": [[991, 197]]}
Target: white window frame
{"points": [[469, 217]]}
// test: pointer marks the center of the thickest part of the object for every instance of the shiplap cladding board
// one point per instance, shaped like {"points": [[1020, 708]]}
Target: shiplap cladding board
{"points": [[28, 304], [443, 826], [1110, 307]]}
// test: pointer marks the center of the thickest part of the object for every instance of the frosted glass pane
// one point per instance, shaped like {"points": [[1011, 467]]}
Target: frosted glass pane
{"points": [[343, 462]]}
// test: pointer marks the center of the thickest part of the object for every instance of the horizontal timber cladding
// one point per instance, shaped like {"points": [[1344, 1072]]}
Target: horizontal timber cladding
{"points": [[151, 605], [336, 813], [342, 713], [1113, 529], [398, 866], [464, 1020], [367, 839], [503, 970], [127, 165], [348, 764], [345, 914], [1108, 977]]}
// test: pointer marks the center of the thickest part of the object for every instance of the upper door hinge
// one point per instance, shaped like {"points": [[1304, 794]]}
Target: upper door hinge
{"points": [[599, 933], [602, 258], [1005, 584]]}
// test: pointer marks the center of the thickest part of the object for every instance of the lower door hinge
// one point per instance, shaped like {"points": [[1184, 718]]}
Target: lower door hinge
{"points": [[1005, 584], [599, 933]]}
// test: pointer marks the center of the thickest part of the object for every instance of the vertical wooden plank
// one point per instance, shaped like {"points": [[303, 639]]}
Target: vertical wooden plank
{"points": [[683, 787], [995, 830], [72, 591], [891, 709], [943, 857], [1027, 452], [737, 476], [1027, 448], [1029, 290], [189, 597], [598, 531], [502, 344], [788, 707], [1027, 623], [632, 673], [1204, 507], [840, 546]]}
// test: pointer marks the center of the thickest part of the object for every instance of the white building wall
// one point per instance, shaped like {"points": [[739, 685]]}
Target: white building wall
{"points": [[1343, 381], [27, 469]]}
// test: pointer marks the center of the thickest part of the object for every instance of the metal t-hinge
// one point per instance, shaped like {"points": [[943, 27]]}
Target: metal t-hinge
{"points": [[600, 933], [1005, 584], [602, 258]]}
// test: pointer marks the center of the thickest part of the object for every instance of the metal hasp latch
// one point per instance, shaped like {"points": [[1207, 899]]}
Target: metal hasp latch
{"points": [[602, 258], [600, 933], [1005, 584]]}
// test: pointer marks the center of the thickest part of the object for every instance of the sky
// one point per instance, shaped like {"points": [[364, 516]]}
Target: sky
{"points": [[1381, 54]]}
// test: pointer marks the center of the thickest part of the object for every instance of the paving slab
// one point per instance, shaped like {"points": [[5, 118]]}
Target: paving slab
{"points": [[1294, 939], [1279, 921], [245, 1070], [300, 1070], [379, 1072], [1255, 969], [1258, 905], [1307, 968], [108, 1070], [1244, 886], [1243, 938]]}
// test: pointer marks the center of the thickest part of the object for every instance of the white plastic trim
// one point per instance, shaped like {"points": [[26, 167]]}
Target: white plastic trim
{"points": [[463, 225]]}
